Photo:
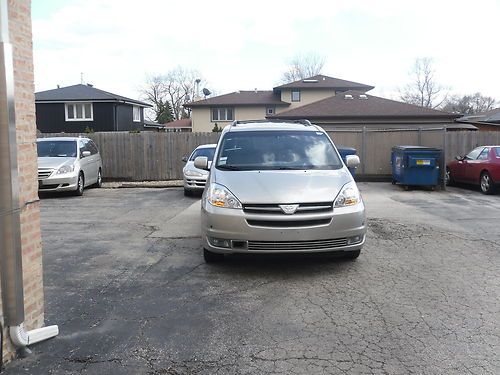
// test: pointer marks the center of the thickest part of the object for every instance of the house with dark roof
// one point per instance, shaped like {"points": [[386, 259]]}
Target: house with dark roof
{"points": [[357, 109], [73, 109], [255, 105], [484, 121], [326, 101]]}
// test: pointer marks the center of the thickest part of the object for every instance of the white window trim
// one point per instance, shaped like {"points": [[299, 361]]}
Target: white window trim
{"points": [[218, 109], [139, 110], [291, 95], [83, 110]]}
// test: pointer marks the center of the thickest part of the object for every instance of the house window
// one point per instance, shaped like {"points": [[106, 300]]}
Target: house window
{"points": [[295, 95], [270, 111], [136, 113], [79, 112], [222, 114]]}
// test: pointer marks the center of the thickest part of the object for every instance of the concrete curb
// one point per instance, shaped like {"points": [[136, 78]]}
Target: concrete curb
{"points": [[142, 184]]}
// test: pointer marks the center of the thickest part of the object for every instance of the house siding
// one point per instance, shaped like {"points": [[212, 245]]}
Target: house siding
{"points": [[202, 120], [125, 120], [51, 118], [307, 96]]}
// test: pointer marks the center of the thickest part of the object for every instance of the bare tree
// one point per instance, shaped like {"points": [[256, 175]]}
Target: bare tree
{"points": [[177, 87], [470, 104], [154, 93], [423, 90], [180, 88], [303, 66]]}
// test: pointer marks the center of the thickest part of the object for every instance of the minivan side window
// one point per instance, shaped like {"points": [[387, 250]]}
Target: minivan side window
{"points": [[92, 147]]}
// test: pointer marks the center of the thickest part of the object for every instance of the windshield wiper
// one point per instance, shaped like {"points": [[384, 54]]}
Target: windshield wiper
{"points": [[229, 167]]}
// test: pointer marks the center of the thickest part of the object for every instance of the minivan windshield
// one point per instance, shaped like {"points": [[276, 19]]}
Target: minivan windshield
{"points": [[208, 152], [276, 150], [56, 149]]}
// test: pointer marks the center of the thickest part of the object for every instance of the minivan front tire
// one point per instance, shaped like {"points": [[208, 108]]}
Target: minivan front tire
{"points": [[352, 255], [80, 185], [211, 257]]}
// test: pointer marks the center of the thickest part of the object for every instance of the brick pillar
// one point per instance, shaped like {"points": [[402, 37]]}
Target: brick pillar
{"points": [[21, 39]]}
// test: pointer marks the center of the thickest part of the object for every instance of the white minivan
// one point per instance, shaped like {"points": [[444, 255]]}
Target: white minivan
{"points": [[68, 164]]}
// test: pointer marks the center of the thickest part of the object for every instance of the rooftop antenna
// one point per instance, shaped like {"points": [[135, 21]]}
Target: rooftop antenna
{"points": [[197, 81], [206, 92]]}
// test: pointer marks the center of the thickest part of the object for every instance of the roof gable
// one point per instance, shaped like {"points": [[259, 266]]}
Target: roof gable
{"points": [[325, 82], [82, 93], [358, 104]]}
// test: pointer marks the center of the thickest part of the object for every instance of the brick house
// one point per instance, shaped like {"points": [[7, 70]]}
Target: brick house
{"points": [[19, 218]]}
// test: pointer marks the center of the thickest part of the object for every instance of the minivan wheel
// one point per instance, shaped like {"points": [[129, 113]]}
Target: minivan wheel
{"points": [[98, 184], [211, 257], [351, 255], [486, 183], [80, 185]]}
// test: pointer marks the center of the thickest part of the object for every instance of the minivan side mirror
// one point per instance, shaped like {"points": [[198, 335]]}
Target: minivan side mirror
{"points": [[352, 161], [201, 162], [185, 159], [85, 154]]}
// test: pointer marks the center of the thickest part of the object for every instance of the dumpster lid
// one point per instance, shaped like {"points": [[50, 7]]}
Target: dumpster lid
{"points": [[416, 148]]}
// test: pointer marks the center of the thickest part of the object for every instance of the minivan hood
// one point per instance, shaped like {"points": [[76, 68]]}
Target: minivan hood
{"points": [[54, 163], [280, 187]]}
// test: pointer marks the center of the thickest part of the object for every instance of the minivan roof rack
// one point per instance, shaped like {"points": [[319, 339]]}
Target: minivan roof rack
{"points": [[301, 121]]}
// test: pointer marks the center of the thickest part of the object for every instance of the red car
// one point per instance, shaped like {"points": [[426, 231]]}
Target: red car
{"points": [[480, 166]]}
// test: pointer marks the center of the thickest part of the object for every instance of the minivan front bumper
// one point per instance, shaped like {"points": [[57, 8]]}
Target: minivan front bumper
{"points": [[226, 230], [62, 182]]}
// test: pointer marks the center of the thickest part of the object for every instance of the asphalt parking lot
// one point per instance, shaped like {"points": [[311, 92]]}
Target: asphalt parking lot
{"points": [[126, 282]]}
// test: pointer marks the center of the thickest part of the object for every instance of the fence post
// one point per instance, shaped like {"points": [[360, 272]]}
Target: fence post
{"points": [[363, 150], [443, 159]]}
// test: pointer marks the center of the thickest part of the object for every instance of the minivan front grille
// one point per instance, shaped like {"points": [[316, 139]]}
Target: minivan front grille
{"points": [[44, 173], [274, 209], [297, 245], [288, 223]]}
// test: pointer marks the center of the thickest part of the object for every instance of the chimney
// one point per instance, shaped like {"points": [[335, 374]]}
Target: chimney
{"points": [[58, 86], [255, 90]]}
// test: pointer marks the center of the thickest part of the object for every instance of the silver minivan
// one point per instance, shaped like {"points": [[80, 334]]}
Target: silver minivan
{"points": [[280, 187], [68, 164]]}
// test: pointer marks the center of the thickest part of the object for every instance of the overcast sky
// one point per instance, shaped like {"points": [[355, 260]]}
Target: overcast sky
{"points": [[245, 45]]}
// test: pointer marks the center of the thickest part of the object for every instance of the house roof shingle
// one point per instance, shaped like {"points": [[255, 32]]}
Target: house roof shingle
{"points": [[182, 123], [491, 116], [83, 92], [370, 106], [325, 82], [240, 98]]}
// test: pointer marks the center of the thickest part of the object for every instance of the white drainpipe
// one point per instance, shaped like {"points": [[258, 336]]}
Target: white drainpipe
{"points": [[11, 268]]}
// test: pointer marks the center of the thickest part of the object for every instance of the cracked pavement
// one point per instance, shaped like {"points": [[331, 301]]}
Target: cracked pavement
{"points": [[130, 298]]}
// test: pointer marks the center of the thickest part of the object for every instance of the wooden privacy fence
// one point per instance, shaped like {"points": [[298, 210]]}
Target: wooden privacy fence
{"points": [[151, 156], [147, 156]]}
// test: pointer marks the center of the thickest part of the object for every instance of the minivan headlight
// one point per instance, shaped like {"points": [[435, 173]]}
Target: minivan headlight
{"points": [[191, 173], [220, 196], [349, 196], [66, 169]]}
